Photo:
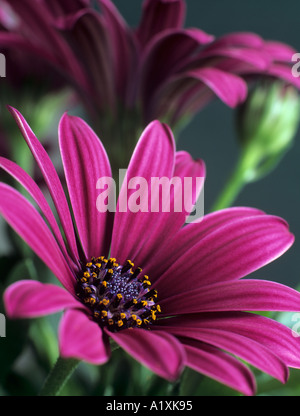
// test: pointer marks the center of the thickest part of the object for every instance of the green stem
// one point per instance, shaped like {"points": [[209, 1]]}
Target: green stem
{"points": [[243, 173], [58, 376]]}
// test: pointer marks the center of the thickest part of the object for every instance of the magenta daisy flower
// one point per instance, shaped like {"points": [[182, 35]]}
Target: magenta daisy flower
{"points": [[168, 294], [159, 70]]}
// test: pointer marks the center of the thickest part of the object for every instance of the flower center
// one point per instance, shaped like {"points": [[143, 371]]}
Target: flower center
{"points": [[118, 296]]}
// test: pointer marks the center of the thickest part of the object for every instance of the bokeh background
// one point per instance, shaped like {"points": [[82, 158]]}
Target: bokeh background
{"points": [[210, 136]]}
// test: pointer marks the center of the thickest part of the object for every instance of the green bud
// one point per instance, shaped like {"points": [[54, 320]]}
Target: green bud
{"points": [[270, 117]]}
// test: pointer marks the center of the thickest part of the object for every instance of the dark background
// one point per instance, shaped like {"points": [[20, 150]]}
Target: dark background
{"points": [[211, 135]]}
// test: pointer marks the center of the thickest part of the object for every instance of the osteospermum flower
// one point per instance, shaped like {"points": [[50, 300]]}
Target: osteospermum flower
{"points": [[168, 294], [159, 70]]}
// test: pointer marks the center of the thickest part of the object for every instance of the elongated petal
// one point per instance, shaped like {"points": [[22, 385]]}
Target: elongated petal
{"points": [[241, 346], [255, 58], [166, 55], [147, 227], [191, 175], [220, 366], [158, 16], [186, 93], [28, 223], [85, 161], [284, 73], [40, 31], [279, 51], [187, 168], [52, 180], [242, 295], [278, 338], [246, 39], [93, 47], [81, 338], [28, 183], [230, 252], [123, 47], [229, 88], [30, 299], [160, 352], [188, 236]]}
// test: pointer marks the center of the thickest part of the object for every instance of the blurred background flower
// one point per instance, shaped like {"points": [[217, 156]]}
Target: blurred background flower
{"points": [[156, 70]]}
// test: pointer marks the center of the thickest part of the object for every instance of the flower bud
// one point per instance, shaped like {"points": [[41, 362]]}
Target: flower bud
{"points": [[270, 117]]}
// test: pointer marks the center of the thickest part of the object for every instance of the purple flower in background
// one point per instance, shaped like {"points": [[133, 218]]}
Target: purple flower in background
{"points": [[159, 70], [168, 294]]}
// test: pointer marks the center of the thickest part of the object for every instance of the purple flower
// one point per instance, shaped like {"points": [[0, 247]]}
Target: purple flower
{"points": [[170, 295], [159, 70]]}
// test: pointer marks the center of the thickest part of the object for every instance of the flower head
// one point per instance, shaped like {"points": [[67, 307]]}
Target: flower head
{"points": [[159, 70], [170, 295]]}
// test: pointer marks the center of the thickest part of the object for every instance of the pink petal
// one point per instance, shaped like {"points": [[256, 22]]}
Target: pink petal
{"points": [[28, 223], [166, 55], [160, 352], [169, 223], [40, 31], [122, 45], [220, 366], [279, 339], [242, 295], [187, 237], [30, 299], [284, 73], [279, 51], [239, 247], [27, 182], [52, 180], [246, 39], [59, 8], [186, 93], [82, 338], [85, 161], [133, 231], [257, 59], [231, 89], [160, 15], [93, 47], [241, 346], [187, 167]]}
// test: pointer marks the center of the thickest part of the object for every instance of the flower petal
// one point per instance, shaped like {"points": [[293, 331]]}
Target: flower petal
{"points": [[241, 295], [133, 231], [28, 183], [241, 346], [93, 48], [51, 179], [166, 55], [231, 251], [28, 223], [160, 352], [82, 338], [30, 299], [186, 93], [220, 366], [276, 337], [188, 236], [85, 161], [122, 46], [160, 15], [187, 167]]}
